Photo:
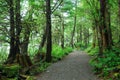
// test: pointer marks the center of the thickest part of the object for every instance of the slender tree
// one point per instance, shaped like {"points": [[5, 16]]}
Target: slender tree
{"points": [[74, 27], [119, 17], [48, 27], [62, 36]]}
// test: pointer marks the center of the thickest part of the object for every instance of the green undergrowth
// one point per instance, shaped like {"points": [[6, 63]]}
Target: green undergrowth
{"points": [[58, 53], [107, 66], [40, 68], [9, 72], [3, 55], [92, 51], [15, 72]]}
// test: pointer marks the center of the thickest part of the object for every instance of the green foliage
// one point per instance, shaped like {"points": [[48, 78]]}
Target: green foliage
{"points": [[32, 50], [107, 64], [80, 45], [40, 68], [67, 50], [92, 51], [10, 70], [3, 54], [58, 53]]}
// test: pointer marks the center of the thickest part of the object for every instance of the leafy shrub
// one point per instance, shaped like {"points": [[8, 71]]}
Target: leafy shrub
{"points": [[92, 51], [32, 50], [107, 64], [67, 50], [3, 55], [58, 53]]}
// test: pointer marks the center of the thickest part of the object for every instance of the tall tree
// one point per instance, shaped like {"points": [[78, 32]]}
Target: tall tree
{"points": [[106, 37], [18, 26], [12, 30], [48, 27], [119, 16], [15, 24], [75, 21]]}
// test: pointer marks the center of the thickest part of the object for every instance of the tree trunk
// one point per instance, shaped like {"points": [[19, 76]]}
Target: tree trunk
{"points": [[18, 26], [48, 27], [75, 18], [94, 36], [85, 31], [103, 27], [42, 43], [108, 24], [81, 36], [15, 43], [27, 27], [105, 30], [12, 30], [62, 36], [118, 18], [24, 44], [88, 35]]}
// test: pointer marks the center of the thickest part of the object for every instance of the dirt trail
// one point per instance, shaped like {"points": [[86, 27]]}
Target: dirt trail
{"points": [[75, 66]]}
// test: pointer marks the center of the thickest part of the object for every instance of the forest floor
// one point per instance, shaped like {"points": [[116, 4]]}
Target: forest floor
{"points": [[75, 66]]}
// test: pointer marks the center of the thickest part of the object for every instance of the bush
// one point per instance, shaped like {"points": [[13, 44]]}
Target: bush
{"points": [[107, 65], [58, 53], [92, 51], [67, 50]]}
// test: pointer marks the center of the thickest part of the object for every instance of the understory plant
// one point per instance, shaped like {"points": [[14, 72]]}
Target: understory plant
{"points": [[107, 66], [58, 52]]}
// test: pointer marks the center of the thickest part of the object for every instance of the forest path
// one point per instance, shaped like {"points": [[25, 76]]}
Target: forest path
{"points": [[75, 66]]}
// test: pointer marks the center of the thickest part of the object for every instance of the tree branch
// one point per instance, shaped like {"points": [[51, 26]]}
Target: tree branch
{"points": [[56, 6]]}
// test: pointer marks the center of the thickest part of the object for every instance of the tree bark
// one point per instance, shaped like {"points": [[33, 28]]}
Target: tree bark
{"points": [[24, 44], [81, 36], [94, 36], [12, 30], [118, 19], [103, 27], [48, 27], [105, 30], [18, 26], [108, 24]]}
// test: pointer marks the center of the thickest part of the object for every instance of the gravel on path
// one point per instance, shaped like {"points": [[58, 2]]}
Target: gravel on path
{"points": [[75, 66]]}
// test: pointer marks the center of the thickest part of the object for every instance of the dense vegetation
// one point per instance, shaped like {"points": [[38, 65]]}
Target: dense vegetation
{"points": [[34, 33]]}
